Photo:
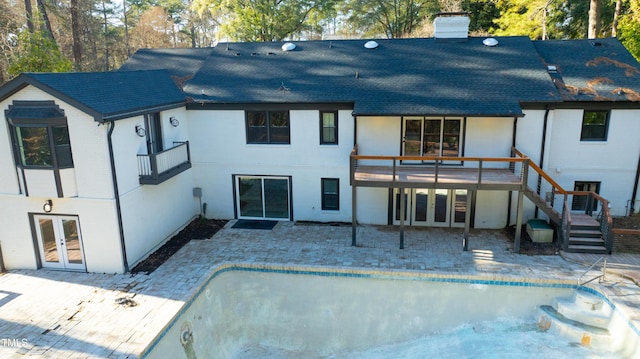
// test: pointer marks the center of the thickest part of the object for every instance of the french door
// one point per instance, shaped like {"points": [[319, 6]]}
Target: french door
{"points": [[59, 242], [426, 136], [432, 207], [263, 197]]}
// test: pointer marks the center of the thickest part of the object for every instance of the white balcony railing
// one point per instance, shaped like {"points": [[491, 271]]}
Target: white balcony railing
{"points": [[158, 167]]}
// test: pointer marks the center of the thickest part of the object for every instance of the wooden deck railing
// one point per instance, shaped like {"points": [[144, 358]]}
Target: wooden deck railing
{"points": [[546, 188], [438, 162], [533, 179]]}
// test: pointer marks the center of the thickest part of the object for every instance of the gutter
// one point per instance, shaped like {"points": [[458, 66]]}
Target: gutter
{"points": [[137, 112], [117, 196]]}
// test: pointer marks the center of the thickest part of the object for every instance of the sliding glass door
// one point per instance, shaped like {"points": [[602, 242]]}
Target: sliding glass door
{"points": [[263, 197]]}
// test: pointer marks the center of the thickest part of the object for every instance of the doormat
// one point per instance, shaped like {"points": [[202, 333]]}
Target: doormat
{"points": [[254, 224]]}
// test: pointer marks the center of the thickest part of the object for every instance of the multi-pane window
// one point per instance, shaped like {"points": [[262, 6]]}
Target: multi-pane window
{"points": [[40, 135], [328, 128], [330, 194], [595, 126], [43, 146], [268, 127], [438, 137]]}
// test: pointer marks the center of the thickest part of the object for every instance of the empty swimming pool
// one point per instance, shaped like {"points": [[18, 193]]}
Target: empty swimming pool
{"points": [[266, 312]]}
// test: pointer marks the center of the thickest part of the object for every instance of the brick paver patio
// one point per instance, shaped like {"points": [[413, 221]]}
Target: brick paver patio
{"points": [[53, 314]]}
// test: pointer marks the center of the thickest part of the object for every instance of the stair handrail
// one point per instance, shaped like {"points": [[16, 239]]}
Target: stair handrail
{"points": [[541, 172], [604, 272], [603, 217], [606, 222], [566, 224]]}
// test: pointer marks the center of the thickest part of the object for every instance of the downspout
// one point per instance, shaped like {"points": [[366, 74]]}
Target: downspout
{"points": [[355, 130], [542, 148], [634, 195], [117, 196], [513, 145]]}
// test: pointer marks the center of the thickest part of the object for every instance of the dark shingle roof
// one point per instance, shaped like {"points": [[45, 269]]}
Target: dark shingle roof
{"points": [[592, 70], [400, 77], [106, 95], [181, 62]]}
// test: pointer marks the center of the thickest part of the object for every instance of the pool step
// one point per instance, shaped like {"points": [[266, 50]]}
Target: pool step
{"points": [[583, 318], [585, 308]]}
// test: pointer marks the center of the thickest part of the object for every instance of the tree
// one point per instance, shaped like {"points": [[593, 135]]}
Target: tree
{"points": [[616, 17], [482, 14], [391, 18], [153, 29], [37, 52], [8, 37], [201, 28], [75, 34], [262, 20], [29, 15], [523, 17], [629, 29], [594, 19]]}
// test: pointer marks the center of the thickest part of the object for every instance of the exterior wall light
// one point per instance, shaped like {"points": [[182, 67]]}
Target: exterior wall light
{"points": [[48, 206], [174, 121], [140, 131]]}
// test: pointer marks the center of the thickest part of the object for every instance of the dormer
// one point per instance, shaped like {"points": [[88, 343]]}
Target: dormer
{"points": [[41, 149]]}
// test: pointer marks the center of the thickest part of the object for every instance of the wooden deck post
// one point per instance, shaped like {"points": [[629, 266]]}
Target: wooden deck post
{"points": [[467, 221], [354, 209], [516, 243], [402, 214]]}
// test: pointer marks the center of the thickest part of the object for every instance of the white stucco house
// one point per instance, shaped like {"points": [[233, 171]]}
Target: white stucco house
{"points": [[99, 169]]}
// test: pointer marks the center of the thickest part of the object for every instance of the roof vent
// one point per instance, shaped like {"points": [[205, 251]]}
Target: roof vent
{"points": [[371, 45], [596, 43], [289, 46], [552, 69], [453, 25], [490, 41]]}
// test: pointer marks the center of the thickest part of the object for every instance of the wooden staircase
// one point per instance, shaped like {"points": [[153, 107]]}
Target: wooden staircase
{"points": [[575, 232], [585, 235], [540, 202]]}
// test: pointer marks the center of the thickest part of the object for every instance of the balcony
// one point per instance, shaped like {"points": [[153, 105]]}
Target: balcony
{"points": [[158, 167], [482, 173]]}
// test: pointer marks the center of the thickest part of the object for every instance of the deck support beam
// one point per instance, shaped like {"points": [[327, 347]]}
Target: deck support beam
{"points": [[354, 219], [402, 214], [467, 221], [516, 242]]}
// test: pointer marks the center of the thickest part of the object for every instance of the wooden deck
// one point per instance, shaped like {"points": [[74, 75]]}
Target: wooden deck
{"points": [[583, 220], [407, 176]]}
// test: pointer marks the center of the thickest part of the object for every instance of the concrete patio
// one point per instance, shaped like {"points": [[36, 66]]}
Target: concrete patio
{"points": [[53, 314]]}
